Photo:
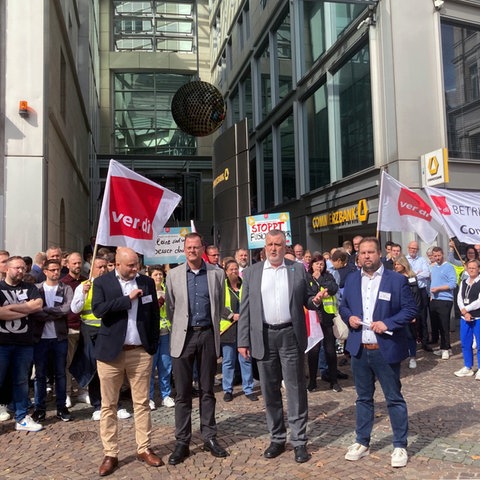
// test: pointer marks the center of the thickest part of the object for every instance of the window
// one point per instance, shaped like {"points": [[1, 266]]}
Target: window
{"points": [[265, 81], [267, 161], [284, 58], [316, 112], [354, 113], [287, 159], [142, 115], [154, 26], [461, 58]]}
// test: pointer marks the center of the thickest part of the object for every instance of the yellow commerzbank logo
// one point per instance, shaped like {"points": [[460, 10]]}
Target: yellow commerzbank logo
{"points": [[223, 177], [433, 165], [357, 213]]}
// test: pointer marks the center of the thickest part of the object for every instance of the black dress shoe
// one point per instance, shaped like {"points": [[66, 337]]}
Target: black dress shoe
{"points": [[228, 397], [274, 450], [252, 397], [341, 375], [215, 449], [301, 454], [180, 453]]}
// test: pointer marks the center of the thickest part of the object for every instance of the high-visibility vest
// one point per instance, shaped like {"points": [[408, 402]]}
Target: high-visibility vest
{"points": [[165, 323], [224, 322], [86, 314], [329, 303]]}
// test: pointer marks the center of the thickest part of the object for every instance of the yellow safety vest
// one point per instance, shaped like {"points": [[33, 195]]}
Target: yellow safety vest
{"points": [[224, 322], [86, 314], [329, 303], [165, 323]]}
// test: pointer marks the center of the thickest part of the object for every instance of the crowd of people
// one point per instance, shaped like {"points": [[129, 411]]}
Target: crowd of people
{"points": [[107, 324]]}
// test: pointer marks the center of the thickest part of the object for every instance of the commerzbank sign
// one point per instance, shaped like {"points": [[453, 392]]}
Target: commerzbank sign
{"points": [[351, 215]]}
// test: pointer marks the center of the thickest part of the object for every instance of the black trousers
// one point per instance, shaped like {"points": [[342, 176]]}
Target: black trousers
{"points": [[199, 346]]}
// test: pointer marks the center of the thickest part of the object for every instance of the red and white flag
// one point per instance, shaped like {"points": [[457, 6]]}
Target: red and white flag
{"points": [[134, 210], [403, 210]]}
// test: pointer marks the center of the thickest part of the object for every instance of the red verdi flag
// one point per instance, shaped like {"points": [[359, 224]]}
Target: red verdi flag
{"points": [[134, 210], [403, 210]]}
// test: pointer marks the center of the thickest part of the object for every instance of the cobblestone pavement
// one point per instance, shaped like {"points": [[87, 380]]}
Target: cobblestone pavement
{"points": [[443, 440]]}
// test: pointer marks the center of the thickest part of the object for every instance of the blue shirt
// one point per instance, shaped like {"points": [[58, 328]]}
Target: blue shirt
{"points": [[199, 314], [443, 275]]}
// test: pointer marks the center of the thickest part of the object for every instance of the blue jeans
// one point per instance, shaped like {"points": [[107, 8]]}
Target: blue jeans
{"points": [[230, 355], [17, 359], [162, 361], [41, 354], [367, 366], [467, 331]]}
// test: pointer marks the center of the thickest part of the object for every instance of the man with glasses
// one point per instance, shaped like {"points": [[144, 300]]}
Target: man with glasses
{"points": [[18, 300], [420, 266], [50, 331], [213, 255]]}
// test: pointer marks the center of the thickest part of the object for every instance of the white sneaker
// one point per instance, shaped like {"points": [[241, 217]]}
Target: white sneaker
{"points": [[168, 402], [464, 372], [438, 352], [83, 398], [96, 415], [152, 405], [445, 355], [68, 402], [28, 425], [356, 452], [4, 415], [122, 414], [412, 363], [477, 375], [399, 457]]}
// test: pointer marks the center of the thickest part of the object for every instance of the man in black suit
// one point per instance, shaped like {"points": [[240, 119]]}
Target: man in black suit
{"points": [[128, 337]]}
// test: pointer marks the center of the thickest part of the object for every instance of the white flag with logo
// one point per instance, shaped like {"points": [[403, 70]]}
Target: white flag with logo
{"points": [[403, 210], [134, 210], [460, 211]]}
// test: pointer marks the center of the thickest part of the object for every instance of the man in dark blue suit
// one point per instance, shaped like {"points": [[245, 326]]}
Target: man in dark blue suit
{"points": [[377, 305], [127, 339]]}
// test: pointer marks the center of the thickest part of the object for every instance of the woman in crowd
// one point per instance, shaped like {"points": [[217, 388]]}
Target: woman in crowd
{"points": [[228, 332], [468, 301], [323, 280], [162, 361], [402, 266]]}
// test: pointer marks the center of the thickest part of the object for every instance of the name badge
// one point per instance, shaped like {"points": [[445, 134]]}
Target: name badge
{"points": [[384, 296], [146, 299], [58, 299], [466, 301], [22, 296]]}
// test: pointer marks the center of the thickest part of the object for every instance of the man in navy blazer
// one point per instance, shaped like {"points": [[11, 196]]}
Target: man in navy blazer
{"points": [[127, 339], [377, 305]]}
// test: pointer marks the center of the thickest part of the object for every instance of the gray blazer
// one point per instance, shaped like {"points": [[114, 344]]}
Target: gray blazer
{"points": [[252, 318], [176, 300]]}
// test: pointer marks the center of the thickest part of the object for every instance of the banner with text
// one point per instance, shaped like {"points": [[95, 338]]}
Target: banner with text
{"points": [[259, 225], [169, 246], [460, 211]]}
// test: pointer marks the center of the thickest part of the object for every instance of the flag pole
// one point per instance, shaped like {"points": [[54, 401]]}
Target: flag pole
{"points": [[379, 206]]}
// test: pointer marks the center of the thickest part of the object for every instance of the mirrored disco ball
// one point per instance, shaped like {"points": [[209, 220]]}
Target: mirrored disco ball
{"points": [[198, 108]]}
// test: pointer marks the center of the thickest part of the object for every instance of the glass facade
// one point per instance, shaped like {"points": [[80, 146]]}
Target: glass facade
{"points": [[354, 113], [267, 169], [143, 117], [461, 61], [287, 159], [265, 81], [316, 112], [283, 41], [154, 26]]}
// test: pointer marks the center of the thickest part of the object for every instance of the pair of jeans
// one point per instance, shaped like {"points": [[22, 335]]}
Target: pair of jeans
{"points": [[230, 355], [17, 360], [367, 366], [162, 361], [467, 331], [41, 355]]}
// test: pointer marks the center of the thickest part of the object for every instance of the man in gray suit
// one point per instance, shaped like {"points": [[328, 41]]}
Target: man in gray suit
{"points": [[272, 329], [194, 300]]}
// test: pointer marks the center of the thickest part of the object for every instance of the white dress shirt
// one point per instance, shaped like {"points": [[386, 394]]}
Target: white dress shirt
{"points": [[370, 286], [132, 336], [275, 294]]}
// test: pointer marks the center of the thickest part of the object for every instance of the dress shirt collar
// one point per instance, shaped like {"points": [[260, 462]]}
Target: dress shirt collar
{"points": [[378, 272], [267, 264]]}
